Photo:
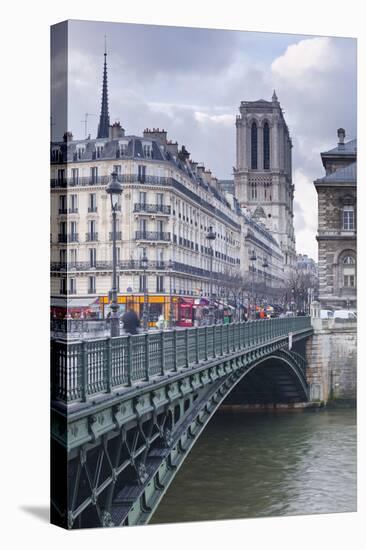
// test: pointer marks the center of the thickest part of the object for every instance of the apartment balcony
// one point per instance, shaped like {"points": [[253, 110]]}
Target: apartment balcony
{"points": [[92, 209], [73, 210], [152, 236], [62, 211], [70, 238], [90, 237], [79, 182], [118, 235], [161, 209]]}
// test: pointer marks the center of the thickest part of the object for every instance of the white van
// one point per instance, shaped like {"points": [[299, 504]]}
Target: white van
{"points": [[345, 314], [326, 314]]}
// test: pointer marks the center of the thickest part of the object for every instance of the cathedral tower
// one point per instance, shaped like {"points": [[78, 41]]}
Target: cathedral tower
{"points": [[263, 173]]}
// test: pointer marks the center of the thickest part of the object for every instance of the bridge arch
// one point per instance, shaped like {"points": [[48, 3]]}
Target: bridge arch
{"points": [[186, 431], [128, 435]]}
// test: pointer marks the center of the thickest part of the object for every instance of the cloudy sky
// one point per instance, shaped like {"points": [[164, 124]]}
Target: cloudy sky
{"points": [[191, 81]]}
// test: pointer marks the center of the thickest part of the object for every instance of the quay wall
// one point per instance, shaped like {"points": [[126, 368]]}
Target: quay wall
{"points": [[332, 361]]}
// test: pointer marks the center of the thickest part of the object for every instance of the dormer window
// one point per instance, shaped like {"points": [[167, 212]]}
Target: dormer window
{"points": [[55, 154], [122, 147], [80, 152], [99, 151], [147, 151]]}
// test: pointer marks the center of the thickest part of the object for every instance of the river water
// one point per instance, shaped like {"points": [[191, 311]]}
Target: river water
{"points": [[266, 464]]}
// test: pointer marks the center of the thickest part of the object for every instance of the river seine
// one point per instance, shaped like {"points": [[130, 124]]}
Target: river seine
{"points": [[249, 465]]}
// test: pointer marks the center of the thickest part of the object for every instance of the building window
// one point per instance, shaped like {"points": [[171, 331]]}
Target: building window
{"points": [[73, 204], [142, 283], [73, 257], [62, 204], [92, 202], [80, 152], [349, 272], [141, 173], [72, 286], [99, 151], [159, 283], [117, 168], [147, 151], [63, 257], [75, 176], [348, 218], [94, 174], [254, 147], [123, 149], [63, 288], [266, 146], [93, 257], [142, 198], [61, 176], [91, 285]]}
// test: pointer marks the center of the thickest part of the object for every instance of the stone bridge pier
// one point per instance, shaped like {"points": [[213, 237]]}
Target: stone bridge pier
{"points": [[332, 360]]}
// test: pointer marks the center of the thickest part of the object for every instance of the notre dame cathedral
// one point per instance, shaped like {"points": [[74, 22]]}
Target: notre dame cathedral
{"points": [[263, 172]]}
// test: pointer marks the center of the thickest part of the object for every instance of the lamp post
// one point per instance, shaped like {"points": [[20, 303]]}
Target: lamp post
{"points": [[211, 236], [171, 309], [265, 265], [145, 323], [252, 258], [114, 190]]}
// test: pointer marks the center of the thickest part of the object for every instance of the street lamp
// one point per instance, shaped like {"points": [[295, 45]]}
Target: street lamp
{"points": [[143, 263], [114, 190], [265, 265], [171, 309], [252, 258], [211, 236]]}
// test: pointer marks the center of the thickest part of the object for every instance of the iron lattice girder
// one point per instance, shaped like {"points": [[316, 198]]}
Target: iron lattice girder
{"points": [[153, 456]]}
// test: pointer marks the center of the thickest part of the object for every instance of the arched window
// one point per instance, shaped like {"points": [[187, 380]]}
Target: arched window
{"points": [[349, 272], [348, 218], [266, 146], [254, 146]]}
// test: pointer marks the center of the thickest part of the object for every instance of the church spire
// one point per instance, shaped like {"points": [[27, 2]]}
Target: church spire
{"points": [[103, 127], [274, 96]]}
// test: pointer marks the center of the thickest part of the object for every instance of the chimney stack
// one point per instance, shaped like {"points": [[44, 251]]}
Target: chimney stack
{"points": [[341, 135]]}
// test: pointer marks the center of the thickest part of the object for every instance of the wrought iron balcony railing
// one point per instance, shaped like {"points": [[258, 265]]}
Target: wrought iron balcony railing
{"points": [[71, 237], [73, 210], [80, 369], [152, 265], [84, 181], [90, 237], [151, 208], [92, 209], [118, 235], [152, 236], [62, 210]]}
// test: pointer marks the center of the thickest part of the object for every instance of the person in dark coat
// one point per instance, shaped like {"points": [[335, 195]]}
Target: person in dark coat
{"points": [[130, 321]]}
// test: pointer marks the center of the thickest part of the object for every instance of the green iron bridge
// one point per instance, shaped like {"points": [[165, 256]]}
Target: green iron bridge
{"points": [[126, 411]]}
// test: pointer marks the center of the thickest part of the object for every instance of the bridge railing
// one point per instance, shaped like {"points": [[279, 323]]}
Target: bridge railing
{"points": [[80, 369]]}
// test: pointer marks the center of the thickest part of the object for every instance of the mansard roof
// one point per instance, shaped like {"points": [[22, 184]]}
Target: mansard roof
{"points": [[348, 174], [348, 148], [135, 151]]}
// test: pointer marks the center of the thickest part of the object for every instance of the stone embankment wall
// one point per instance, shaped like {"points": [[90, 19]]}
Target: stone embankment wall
{"points": [[332, 361]]}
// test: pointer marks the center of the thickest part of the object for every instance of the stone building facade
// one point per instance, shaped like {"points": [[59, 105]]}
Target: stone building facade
{"points": [[168, 205], [263, 172], [337, 201]]}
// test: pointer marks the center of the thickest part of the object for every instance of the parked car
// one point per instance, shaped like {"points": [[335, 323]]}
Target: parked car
{"points": [[345, 314], [326, 314]]}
